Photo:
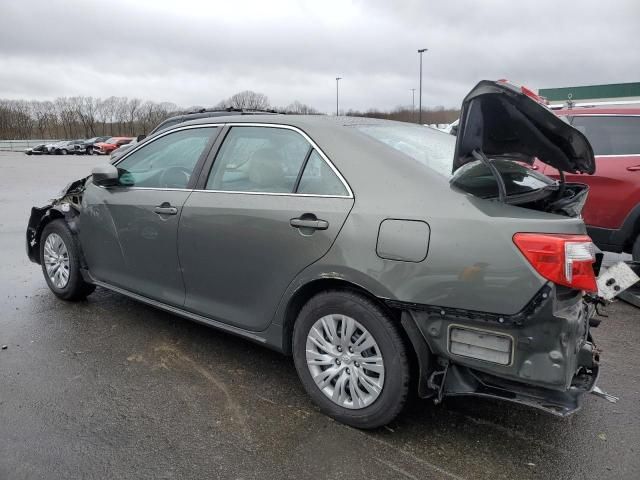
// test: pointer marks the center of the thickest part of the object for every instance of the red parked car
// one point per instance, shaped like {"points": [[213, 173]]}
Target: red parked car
{"points": [[612, 210], [108, 146]]}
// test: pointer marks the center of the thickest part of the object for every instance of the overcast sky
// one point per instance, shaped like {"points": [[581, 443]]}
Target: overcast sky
{"points": [[197, 52]]}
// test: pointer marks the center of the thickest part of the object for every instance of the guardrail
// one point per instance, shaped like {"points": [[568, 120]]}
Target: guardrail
{"points": [[20, 145]]}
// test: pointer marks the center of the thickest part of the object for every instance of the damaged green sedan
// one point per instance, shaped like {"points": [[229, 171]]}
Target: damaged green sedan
{"points": [[368, 250]]}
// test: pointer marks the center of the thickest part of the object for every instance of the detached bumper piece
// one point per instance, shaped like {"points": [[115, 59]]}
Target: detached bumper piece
{"points": [[466, 381]]}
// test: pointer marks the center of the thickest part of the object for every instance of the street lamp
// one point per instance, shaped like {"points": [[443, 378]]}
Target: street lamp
{"points": [[413, 103], [421, 51], [337, 80]]}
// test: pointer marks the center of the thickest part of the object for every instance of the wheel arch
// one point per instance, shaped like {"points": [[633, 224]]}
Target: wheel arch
{"points": [[37, 225], [305, 292]]}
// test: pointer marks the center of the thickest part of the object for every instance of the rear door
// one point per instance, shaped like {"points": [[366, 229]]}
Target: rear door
{"points": [[615, 186], [271, 205]]}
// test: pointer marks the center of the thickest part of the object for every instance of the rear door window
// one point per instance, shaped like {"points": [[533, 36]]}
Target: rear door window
{"points": [[319, 179], [259, 159], [610, 134]]}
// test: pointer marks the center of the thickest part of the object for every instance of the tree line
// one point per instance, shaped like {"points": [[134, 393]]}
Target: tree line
{"points": [[435, 115], [85, 117]]}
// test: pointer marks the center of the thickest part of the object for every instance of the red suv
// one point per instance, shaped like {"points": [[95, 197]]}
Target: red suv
{"points": [[612, 211]]}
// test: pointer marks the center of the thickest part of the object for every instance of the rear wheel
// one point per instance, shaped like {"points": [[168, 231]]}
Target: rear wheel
{"points": [[63, 152], [60, 259], [351, 359]]}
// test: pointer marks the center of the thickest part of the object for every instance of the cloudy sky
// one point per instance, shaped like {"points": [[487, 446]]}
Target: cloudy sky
{"points": [[197, 52]]}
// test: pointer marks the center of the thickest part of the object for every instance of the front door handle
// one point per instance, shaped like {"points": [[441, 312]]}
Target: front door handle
{"points": [[309, 222], [633, 168], [165, 209]]}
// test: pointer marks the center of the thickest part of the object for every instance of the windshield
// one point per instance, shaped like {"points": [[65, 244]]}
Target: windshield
{"points": [[112, 140], [430, 147]]}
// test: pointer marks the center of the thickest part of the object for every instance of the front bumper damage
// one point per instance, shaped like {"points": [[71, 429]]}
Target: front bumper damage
{"points": [[542, 356]]}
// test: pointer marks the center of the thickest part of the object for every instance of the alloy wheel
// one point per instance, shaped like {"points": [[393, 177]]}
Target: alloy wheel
{"points": [[56, 260], [345, 361]]}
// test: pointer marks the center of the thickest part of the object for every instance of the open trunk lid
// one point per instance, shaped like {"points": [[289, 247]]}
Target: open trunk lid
{"points": [[500, 119]]}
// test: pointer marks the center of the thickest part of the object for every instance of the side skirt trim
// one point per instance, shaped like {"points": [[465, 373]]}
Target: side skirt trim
{"points": [[183, 313]]}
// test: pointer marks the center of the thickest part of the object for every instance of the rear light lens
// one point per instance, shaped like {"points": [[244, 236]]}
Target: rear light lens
{"points": [[563, 259]]}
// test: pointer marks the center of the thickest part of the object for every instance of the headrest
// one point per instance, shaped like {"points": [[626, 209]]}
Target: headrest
{"points": [[265, 168]]}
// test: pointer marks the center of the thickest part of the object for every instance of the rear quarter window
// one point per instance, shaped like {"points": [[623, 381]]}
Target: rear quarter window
{"points": [[611, 134]]}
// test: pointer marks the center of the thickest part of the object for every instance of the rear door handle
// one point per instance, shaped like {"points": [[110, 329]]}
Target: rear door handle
{"points": [[165, 209], [313, 223], [633, 168]]}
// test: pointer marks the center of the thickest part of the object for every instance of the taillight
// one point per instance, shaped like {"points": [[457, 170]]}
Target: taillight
{"points": [[563, 259]]}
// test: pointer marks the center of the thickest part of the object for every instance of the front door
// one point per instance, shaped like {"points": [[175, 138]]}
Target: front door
{"points": [[129, 231], [271, 206]]}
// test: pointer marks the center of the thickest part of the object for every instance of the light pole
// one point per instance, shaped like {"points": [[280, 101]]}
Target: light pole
{"points": [[413, 103], [421, 51], [337, 80]]}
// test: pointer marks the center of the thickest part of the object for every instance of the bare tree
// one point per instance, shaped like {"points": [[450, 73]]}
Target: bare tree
{"points": [[80, 116], [87, 110], [132, 107], [247, 99], [300, 109]]}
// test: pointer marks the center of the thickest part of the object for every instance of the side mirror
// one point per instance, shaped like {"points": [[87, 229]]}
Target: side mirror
{"points": [[105, 175], [454, 130], [140, 138]]}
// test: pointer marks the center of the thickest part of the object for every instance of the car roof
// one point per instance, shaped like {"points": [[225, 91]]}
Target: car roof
{"points": [[300, 121]]}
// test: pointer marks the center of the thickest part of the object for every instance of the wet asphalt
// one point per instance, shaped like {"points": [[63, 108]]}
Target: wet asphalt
{"points": [[110, 388]]}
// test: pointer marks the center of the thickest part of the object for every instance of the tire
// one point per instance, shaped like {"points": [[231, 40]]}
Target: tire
{"points": [[74, 288], [63, 152], [90, 151], [360, 407]]}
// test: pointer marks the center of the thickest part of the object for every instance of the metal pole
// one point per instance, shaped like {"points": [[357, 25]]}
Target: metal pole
{"points": [[413, 103], [421, 51], [337, 79]]}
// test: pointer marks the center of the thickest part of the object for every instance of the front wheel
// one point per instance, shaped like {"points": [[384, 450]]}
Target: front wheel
{"points": [[60, 260], [351, 359]]}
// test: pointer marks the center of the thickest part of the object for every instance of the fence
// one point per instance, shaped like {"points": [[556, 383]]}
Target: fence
{"points": [[20, 145]]}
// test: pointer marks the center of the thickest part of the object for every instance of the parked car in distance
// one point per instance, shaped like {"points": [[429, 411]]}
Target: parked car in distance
{"points": [[68, 147], [90, 142], [37, 150], [51, 147], [109, 145], [367, 249], [612, 209], [122, 149]]}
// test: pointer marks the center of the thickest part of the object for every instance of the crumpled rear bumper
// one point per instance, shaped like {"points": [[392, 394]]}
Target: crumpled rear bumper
{"points": [[465, 381], [552, 359]]}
